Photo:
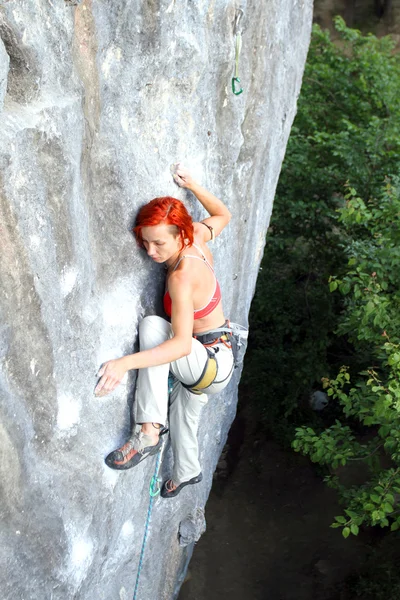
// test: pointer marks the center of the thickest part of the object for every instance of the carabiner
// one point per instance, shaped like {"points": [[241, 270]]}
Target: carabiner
{"points": [[238, 16], [236, 80], [154, 486]]}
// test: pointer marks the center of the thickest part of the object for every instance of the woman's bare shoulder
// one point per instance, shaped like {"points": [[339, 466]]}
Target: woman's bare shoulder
{"points": [[202, 249], [181, 278]]}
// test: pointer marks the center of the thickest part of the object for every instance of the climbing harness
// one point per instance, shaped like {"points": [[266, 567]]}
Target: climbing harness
{"points": [[211, 337], [238, 47], [232, 336], [207, 377], [234, 333], [153, 491], [239, 337]]}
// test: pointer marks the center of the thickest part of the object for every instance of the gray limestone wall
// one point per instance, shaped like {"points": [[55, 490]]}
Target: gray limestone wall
{"points": [[97, 99]]}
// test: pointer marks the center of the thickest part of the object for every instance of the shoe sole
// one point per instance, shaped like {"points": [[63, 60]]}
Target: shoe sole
{"points": [[136, 459], [165, 494]]}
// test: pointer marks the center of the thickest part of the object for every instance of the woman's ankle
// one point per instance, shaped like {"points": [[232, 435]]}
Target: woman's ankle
{"points": [[152, 429]]}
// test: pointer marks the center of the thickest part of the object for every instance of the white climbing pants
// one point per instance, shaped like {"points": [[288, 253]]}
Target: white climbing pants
{"points": [[151, 403]]}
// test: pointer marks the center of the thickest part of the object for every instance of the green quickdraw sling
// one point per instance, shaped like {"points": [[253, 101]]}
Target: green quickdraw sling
{"points": [[238, 47]]}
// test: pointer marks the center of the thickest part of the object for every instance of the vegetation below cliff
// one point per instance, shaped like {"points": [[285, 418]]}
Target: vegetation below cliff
{"points": [[325, 315], [324, 318]]}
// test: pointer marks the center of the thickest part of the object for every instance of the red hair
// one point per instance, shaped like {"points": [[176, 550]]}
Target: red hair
{"points": [[167, 211]]}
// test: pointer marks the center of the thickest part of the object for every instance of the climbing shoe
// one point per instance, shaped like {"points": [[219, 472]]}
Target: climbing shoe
{"points": [[170, 490], [136, 449]]}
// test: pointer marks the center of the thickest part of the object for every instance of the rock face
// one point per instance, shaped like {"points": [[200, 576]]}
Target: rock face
{"points": [[100, 97]]}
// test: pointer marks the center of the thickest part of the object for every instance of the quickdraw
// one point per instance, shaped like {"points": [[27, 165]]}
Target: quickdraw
{"points": [[238, 47]]}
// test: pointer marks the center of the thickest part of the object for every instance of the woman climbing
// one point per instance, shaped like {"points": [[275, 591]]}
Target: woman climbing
{"points": [[194, 346]]}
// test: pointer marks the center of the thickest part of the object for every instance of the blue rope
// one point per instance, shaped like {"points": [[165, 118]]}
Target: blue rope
{"points": [[153, 491]]}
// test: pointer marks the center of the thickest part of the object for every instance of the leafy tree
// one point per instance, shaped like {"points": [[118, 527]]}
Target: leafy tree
{"points": [[346, 132], [328, 293], [371, 320]]}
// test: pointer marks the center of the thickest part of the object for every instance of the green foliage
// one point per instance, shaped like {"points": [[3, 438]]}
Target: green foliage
{"points": [[379, 578], [329, 290], [371, 319], [380, 582], [347, 127]]}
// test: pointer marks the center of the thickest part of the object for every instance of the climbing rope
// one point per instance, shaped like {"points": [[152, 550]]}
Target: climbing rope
{"points": [[153, 491], [238, 48]]}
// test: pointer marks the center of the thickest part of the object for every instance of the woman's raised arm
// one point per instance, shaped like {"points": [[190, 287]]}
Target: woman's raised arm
{"points": [[219, 214]]}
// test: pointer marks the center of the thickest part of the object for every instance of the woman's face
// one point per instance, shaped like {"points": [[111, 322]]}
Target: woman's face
{"points": [[160, 243]]}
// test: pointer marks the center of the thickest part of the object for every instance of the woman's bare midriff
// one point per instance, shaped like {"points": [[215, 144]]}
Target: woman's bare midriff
{"points": [[212, 321]]}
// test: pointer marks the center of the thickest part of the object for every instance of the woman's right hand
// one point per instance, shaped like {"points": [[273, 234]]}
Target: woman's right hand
{"points": [[182, 176], [111, 374]]}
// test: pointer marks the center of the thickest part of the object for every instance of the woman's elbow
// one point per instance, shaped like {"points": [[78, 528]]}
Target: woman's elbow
{"points": [[186, 349], [227, 216]]}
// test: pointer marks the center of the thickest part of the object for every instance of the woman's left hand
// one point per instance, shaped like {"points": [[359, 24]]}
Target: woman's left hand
{"points": [[182, 176], [111, 373]]}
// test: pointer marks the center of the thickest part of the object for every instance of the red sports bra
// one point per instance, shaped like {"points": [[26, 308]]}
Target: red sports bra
{"points": [[214, 300]]}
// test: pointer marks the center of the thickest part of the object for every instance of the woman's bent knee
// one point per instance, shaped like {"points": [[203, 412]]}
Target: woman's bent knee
{"points": [[154, 323]]}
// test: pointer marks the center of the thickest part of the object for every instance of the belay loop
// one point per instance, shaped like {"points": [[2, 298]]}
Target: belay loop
{"points": [[238, 47]]}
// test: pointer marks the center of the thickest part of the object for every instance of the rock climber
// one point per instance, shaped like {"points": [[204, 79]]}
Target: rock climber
{"points": [[199, 357]]}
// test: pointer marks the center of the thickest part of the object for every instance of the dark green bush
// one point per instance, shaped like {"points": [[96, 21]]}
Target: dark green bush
{"points": [[335, 228], [347, 130]]}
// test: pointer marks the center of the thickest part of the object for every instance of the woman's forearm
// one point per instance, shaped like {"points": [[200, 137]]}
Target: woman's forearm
{"points": [[213, 205], [166, 352], [112, 372]]}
